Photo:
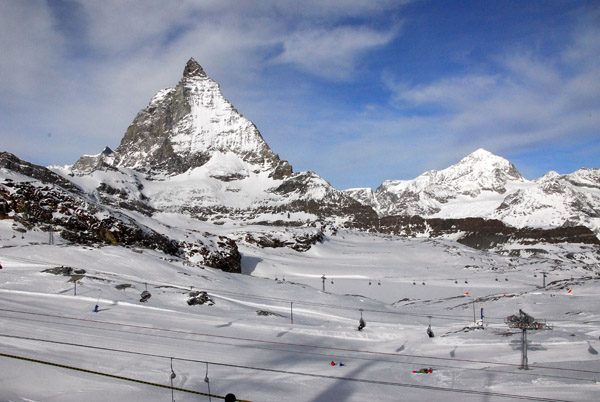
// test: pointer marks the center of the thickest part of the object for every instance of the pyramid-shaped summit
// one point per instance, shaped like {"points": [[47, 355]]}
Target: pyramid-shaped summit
{"points": [[184, 126], [193, 69]]}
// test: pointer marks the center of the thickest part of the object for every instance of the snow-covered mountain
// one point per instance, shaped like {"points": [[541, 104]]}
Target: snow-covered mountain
{"points": [[191, 151], [193, 191], [555, 200], [184, 127], [488, 186], [480, 175], [189, 155]]}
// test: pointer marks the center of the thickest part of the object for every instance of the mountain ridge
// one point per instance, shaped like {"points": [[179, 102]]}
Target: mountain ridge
{"points": [[189, 157], [192, 129], [488, 186]]}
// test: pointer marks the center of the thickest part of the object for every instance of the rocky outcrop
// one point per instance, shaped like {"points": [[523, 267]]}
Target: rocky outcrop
{"points": [[89, 163], [483, 234], [47, 202], [12, 163], [74, 218], [300, 241], [216, 252]]}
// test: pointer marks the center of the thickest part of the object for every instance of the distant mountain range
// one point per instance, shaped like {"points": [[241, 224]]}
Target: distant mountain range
{"points": [[488, 186], [189, 155]]}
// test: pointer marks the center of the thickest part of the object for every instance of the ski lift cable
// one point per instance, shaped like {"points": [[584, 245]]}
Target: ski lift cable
{"points": [[114, 376], [215, 293], [307, 346], [328, 355], [425, 362], [42, 262], [287, 301], [449, 317], [271, 370]]}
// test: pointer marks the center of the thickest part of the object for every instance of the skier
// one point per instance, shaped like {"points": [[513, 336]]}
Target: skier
{"points": [[361, 324], [230, 398]]}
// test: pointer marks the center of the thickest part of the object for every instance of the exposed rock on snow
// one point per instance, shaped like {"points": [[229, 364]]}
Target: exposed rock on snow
{"points": [[38, 198]]}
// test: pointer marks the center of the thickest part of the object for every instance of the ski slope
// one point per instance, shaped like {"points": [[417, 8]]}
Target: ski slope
{"points": [[246, 343]]}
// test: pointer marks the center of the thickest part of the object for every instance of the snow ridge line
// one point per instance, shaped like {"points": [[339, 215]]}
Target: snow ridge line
{"points": [[294, 344], [118, 377]]}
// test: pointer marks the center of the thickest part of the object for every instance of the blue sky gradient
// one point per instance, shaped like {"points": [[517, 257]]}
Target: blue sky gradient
{"points": [[359, 91]]}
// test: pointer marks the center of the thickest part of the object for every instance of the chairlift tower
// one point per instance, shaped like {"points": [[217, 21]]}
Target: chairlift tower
{"points": [[544, 279], [525, 322], [51, 235]]}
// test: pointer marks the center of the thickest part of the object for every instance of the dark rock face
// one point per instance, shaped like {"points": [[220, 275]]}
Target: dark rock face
{"points": [[52, 202], [193, 69], [149, 134], [482, 233], [11, 162], [221, 253], [74, 218], [301, 242]]}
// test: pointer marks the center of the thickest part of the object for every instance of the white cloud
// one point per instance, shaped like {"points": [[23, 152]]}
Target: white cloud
{"points": [[28, 47], [332, 53], [83, 82], [74, 73], [526, 103]]}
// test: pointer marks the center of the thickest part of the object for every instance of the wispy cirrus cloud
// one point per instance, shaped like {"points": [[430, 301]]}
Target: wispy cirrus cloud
{"points": [[84, 68], [527, 102], [334, 86], [332, 53]]}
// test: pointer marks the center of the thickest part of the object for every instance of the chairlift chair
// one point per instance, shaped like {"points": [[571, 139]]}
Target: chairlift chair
{"points": [[145, 296]]}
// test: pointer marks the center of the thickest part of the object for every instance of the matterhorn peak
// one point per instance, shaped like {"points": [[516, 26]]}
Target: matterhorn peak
{"points": [[184, 127], [193, 69]]}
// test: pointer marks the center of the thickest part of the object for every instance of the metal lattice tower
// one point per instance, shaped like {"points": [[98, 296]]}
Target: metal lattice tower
{"points": [[525, 322]]}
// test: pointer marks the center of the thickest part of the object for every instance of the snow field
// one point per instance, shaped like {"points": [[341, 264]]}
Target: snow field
{"points": [[265, 357]]}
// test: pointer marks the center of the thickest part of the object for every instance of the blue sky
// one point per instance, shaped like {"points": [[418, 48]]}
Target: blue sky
{"points": [[358, 91]]}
